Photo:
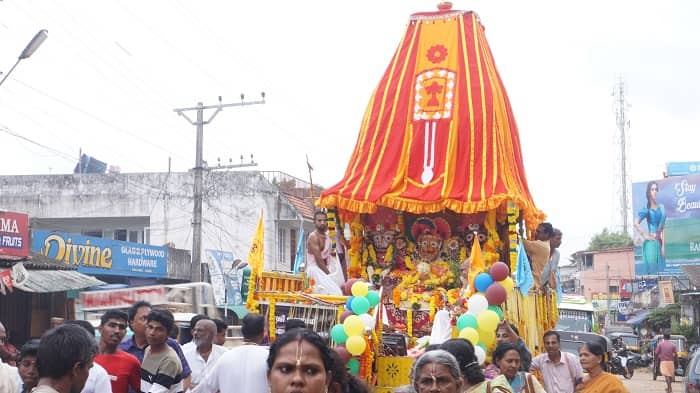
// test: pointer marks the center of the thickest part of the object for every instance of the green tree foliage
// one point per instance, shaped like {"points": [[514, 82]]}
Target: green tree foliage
{"points": [[607, 239], [662, 317]]}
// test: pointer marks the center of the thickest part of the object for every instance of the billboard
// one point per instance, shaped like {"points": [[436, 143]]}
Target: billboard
{"points": [[14, 234], [682, 168], [666, 225], [225, 277], [98, 256]]}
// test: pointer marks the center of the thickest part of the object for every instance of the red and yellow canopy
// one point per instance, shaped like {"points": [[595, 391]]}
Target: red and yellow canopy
{"points": [[439, 132]]}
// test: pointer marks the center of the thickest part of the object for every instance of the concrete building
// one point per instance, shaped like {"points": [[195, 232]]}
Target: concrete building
{"points": [[156, 209], [600, 272]]}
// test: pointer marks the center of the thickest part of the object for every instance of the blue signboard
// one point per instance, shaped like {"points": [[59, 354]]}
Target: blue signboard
{"points": [[97, 256], [667, 225], [682, 168]]}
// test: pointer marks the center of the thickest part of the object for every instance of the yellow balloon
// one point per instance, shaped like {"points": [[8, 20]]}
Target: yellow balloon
{"points": [[487, 320], [359, 288], [470, 334], [487, 338], [353, 326], [355, 345], [508, 284]]}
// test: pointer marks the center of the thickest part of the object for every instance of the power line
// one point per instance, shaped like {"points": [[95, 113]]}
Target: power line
{"points": [[57, 152]]}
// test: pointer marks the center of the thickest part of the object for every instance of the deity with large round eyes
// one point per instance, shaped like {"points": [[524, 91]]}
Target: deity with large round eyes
{"points": [[429, 235]]}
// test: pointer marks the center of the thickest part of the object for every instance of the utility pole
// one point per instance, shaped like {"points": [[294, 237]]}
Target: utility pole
{"points": [[196, 272], [622, 128], [607, 290]]}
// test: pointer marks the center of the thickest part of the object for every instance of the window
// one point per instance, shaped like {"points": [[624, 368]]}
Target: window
{"points": [[613, 289], [120, 234], [93, 233], [588, 262], [282, 245], [292, 246], [135, 237]]}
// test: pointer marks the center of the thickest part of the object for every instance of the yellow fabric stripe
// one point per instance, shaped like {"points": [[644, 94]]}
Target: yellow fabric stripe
{"points": [[375, 132], [471, 108], [394, 107], [477, 48], [499, 131]]}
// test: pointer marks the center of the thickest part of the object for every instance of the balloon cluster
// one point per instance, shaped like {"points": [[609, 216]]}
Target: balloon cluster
{"points": [[478, 325], [355, 322]]}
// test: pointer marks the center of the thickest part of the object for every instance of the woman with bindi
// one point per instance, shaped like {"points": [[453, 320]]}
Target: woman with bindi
{"points": [[300, 362], [436, 371]]}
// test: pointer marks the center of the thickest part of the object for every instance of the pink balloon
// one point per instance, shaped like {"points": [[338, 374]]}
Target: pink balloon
{"points": [[496, 294], [499, 271], [345, 314], [343, 353]]}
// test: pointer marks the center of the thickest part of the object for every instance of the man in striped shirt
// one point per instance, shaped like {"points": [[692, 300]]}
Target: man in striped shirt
{"points": [[161, 370]]}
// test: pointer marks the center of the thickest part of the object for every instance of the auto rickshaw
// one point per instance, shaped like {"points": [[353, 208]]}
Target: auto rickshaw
{"points": [[572, 341], [630, 340], [682, 349]]}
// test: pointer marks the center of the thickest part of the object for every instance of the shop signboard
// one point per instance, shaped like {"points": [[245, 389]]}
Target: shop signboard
{"points": [[667, 225], [98, 256], [14, 234]]}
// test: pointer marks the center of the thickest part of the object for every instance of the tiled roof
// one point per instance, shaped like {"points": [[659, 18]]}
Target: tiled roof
{"points": [[304, 206], [35, 261]]}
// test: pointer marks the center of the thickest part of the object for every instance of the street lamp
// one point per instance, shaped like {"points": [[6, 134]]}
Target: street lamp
{"points": [[32, 46]]}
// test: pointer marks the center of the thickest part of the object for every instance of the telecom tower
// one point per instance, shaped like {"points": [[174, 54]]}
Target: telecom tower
{"points": [[622, 166]]}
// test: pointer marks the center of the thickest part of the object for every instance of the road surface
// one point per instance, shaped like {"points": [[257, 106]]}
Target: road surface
{"points": [[642, 382]]}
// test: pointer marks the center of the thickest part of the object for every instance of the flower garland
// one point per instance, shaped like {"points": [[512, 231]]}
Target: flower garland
{"points": [[355, 268], [271, 320], [251, 302], [512, 214], [366, 360], [331, 222]]}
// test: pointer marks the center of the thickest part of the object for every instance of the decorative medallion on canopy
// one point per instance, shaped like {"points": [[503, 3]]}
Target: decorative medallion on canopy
{"points": [[439, 132]]}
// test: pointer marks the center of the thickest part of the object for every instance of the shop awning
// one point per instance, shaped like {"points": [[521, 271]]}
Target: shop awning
{"points": [[639, 318], [44, 281]]}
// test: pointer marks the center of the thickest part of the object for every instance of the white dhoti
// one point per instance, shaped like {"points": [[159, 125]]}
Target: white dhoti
{"points": [[325, 284]]}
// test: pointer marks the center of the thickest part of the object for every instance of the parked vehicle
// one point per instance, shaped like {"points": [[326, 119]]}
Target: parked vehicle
{"points": [[572, 341], [692, 375], [623, 363], [681, 347], [629, 340], [577, 314]]}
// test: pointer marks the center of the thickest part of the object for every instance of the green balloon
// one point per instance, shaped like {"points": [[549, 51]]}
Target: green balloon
{"points": [[338, 334], [373, 297], [353, 366], [497, 310], [465, 321], [359, 305]]}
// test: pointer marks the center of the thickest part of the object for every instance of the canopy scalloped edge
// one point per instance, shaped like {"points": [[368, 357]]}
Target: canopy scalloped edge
{"points": [[532, 216]]}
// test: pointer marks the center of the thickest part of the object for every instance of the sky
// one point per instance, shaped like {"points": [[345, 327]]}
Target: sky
{"points": [[111, 73]]}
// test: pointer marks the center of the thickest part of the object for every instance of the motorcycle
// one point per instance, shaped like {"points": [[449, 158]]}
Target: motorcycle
{"points": [[623, 363]]}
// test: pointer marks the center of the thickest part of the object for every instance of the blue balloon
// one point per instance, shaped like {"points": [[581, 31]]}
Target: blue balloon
{"points": [[348, 303], [482, 282]]}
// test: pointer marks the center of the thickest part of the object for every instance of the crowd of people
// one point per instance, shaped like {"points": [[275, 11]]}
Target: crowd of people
{"points": [[452, 367], [69, 359]]}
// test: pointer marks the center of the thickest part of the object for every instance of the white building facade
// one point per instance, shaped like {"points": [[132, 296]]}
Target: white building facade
{"points": [[157, 209]]}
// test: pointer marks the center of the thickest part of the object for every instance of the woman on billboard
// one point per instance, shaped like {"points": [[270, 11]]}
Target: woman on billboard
{"points": [[652, 248]]}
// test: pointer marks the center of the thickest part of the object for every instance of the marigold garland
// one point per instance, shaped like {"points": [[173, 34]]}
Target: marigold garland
{"points": [[271, 320], [409, 322], [251, 302]]}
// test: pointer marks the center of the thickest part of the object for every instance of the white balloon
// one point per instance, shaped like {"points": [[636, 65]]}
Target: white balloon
{"points": [[477, 303], [367, 320], [480, 354]]}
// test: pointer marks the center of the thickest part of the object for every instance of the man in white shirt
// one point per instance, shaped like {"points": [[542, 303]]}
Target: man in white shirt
{"points": [[203, 354], [561, 370], [243, 368]]}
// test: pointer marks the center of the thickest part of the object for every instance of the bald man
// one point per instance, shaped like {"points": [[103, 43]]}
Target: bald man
{"points": [[203, 355]]}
